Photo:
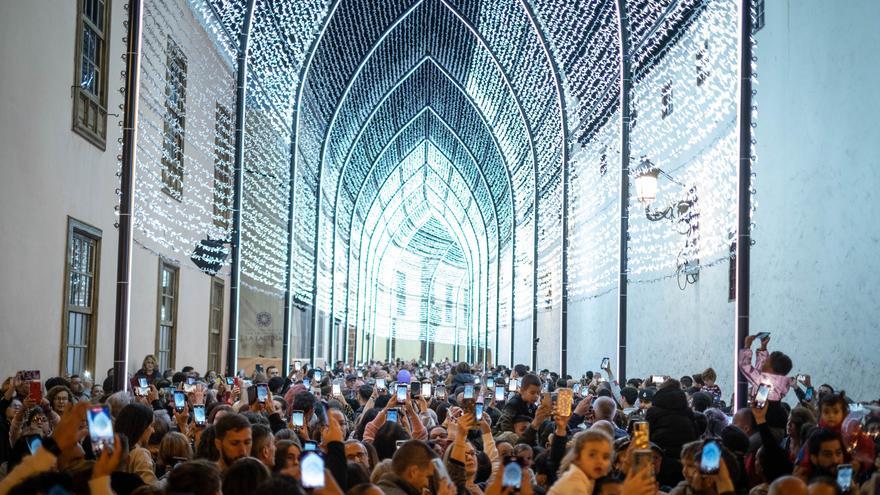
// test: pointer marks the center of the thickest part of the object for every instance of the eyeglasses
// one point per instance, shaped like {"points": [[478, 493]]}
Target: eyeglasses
{"points": [[39, 419]]}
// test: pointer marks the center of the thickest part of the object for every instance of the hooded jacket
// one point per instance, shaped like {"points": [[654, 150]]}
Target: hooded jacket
{"points": [[672, 425]]}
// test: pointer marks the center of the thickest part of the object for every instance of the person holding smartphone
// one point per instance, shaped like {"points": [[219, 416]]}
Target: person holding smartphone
{"points": [[705, 469], [407, 413]]}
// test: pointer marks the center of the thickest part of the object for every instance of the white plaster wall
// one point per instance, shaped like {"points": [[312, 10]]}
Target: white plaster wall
{"points": [[50, 173], [592, 333], [550, 345], [522, 342], [817, 233], [674, 332]]}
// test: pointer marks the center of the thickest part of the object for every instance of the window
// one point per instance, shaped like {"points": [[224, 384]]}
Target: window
{"points": [[702, 63], [216, 324], [175, 121], [90, 78], [222, 167], [166, 334], [80, 298], [666, 96], [757, 15]]}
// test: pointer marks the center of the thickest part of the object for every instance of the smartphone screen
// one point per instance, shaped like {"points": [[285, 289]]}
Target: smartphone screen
{"points": [[230, 381], [179, 400], [258, 368], [641, 435], [262, 392], [844, 477], [392, 415], [479, 411], [337, 389], [605, 363], [398, 444], [499, 393], [401, 393], [100, 429], [512, 477], [468, 390], [477, 380], [360, 374], [657, 379], [310, 446], [318, 375], [199, 414], [441, 392], [380, 383], [33, 442], [710, 461], [641, 458], [36, 391], [761, 396], [312, 469], [297, 418], [808, 395], [512, 386], [490, 383], [190, 384], [142, 382], [762, 335], [297, 365], [576, 388]]}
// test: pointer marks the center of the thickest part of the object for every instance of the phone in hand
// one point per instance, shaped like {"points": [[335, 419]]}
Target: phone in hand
{"points": [[468, 390], [258, 368], [312, 469], [143, 386], [190, 385], [513, 385], [380, 384], [490, 382], [658, 379], [392, 415], [762, 335], [199, 414], [297, 418], [297, 365], [401, 393], [499, 393], [33, 443], [441, 393], [262, 393], [319, 375], [512, 476], [337, 389], [844, 477], [605, 363], [415, 389], [710, 460], [310, 445], [762, 395], [642, 458], [478, 411], [426, 390], [641, 435], [307, 382], [564, 400], [808, 394], [399, 443], [29, 375], [36, 391], [100, 429]]}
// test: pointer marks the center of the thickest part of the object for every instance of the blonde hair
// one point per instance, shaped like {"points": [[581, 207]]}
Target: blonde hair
{"points": [[578, 443], [174, 448], [380, 470]]}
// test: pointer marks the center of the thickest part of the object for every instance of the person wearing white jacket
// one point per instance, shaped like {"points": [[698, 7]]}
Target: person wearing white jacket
{"points": [[588, 459]]}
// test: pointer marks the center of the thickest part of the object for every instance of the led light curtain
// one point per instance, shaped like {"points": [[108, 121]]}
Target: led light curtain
{"points": [[427, 143]]}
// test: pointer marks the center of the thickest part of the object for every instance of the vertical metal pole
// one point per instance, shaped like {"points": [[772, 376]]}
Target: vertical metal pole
{"points": [[625, 89], [237, 190], [743, 178], [288, 286], [127, 192]]}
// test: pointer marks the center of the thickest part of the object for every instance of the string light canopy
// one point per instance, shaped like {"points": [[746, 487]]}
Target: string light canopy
{"points": [[448, 165]]}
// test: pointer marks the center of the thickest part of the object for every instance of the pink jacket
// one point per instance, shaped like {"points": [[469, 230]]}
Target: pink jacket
{"points": [[779, 384]]}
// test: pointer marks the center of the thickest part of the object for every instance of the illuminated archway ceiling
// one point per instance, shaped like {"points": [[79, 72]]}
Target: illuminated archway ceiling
{"points": [[508, 92]]}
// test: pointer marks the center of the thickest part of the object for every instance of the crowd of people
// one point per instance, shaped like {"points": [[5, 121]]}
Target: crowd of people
{"points": [[410, 428]]}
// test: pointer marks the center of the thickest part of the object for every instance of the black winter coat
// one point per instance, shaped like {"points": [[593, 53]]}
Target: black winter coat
{"points": [[672, 425]]}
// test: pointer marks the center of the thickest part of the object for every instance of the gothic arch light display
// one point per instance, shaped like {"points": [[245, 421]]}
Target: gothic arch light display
{"points": [[473, 147]]}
